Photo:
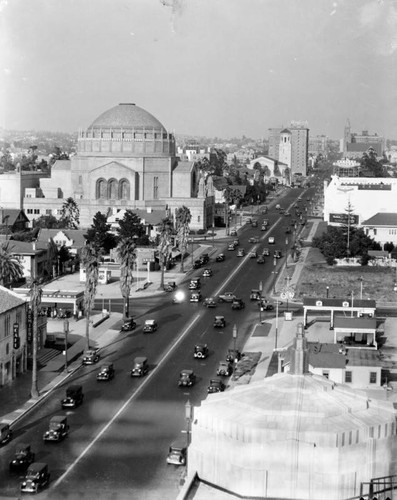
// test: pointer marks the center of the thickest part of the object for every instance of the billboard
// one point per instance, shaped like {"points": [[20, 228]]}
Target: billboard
{"points": [[343, 218]]}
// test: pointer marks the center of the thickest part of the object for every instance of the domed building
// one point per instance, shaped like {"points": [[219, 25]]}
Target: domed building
{"points": [[125, 160], [293, 436]]}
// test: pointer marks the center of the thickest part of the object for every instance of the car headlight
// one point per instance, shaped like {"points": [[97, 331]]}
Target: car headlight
{"points": [[24, 484]]}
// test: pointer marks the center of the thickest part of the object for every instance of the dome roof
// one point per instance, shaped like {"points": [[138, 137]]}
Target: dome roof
{"points": [[126, 115]]}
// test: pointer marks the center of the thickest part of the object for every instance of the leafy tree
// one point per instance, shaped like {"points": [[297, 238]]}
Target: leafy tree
{"points": [[218, 161], [63, 256], [130, 226], [28, 235], [10, 267], [231, 196], [164, 246], [388, 247], [99, 234], [127, 256], [35, 300], [70, 214], [90, 260], [183, 218], [46, 222], [371, 166], [52, 258]]}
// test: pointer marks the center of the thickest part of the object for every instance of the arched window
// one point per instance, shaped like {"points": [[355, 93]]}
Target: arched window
{"points": [[112, 189], [101, 186], [124, 189]]}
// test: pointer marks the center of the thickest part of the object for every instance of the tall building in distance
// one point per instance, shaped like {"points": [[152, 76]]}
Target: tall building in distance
{"points": [[355, 145]]}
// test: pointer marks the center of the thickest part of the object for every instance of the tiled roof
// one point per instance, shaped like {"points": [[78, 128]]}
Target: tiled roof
{"points": [[12, 214], [382, 219], [76, 235], [9, 300], [25, 247]]}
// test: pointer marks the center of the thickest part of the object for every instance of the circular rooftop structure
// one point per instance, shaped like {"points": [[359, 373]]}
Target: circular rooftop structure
{"points": [[126, 116]]}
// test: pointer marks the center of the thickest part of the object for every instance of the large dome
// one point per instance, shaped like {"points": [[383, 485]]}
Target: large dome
{"points": [[126, 115]]}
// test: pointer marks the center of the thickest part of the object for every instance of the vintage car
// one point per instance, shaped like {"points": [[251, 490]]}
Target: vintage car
{"points": [[177, 453], [170, 286], [22, 459], [266, 251], [220, 257], [5, 433], [150, 326], [58, 429], [233, 232], [277, 254], [263, 227], [233, 355], [278, 206], [195, 297], [265, 305], [197, 264], [241, 252], [253, 254], [200, 351], [219, 322], [216, 385], [179, 297], [194, 284], [238, 304], [128, 325], [255, 295], [260, 259], [209, 302], [265, 210], [236, 242], [207, 273], [36, 478], [271, 240], [224, 369], [187, 378], [231, 246], [204, 258], [140, 367], [253, 239], [90, 357], [226, 297], [106, 372], [254, 223], [287, 214], [74, 397]]}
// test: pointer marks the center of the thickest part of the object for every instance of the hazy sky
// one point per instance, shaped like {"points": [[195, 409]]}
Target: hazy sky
{"points": [[202, 67]]}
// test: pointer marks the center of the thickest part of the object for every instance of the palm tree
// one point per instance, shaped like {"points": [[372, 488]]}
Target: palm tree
{"points": [[35, 300], [183, 218], [90, 260], [10, 267], [164, 245], [127, 256]]}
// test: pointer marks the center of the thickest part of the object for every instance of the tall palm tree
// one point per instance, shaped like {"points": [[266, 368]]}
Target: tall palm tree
{"points": [[127, 256], [90, 260], [228, 197], [35, 300], [183, 218], [10, 267], [164, 246]]}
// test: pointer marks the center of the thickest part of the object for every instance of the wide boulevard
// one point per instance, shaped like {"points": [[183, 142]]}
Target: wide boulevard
{"points": [[119, 437]]}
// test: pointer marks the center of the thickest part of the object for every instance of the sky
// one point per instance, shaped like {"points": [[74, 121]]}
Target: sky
{"points": [[224, 68]]}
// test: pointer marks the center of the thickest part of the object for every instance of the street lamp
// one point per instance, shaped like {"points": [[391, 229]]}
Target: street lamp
{"points": [[327, 291], [275, 275], [361, 287], [66, 331], [188, 417], [260, 301]]}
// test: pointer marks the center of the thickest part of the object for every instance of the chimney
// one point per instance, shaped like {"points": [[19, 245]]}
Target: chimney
{"points": [[299, 353]]}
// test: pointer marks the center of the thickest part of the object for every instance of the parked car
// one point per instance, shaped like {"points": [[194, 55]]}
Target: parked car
{"points": [[277, 254], [201, 351], [194, 284], [22, 459], [207, 273], [220, 257], [128, 325], [106, 372], [264, 210], [266, 251], [140, 366], [241, 252], [260, 259], [177, 453], [255, 294], [209, 302], [74, 397], [187, 378], [227, 297], [197, 264], [231, 247], [236, 242], [224, 369], [90, 357], [254, 239], [170, 286], [5, 433], [263, 227], [233, 355], [150, 326], [271, 240], [36, 478], [216, 385], [253, 255], [58, 429], [265, 305], [233, 232], [219, 322], [254, 223], [238, 304], [195, 297], [278, 206], [205, 258], [265, 222]]}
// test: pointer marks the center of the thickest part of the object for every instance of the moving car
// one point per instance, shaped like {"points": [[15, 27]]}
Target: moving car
{"points": [[150, 326], [106, 372], [204, 258], [271, 240], [241, 252], [216, 385], [128, 325], [227, 297], [197, 264], [236, 242], [194, 284], [265, 222], [178, 298], [140, 366], [177, 453], [219, 322], [22, 459], [58, 429], [231, 246], [254, 239], [253, 255], [287, 214], [195, 297], [260, 259], [207, 273], [255, 294], [233, 232], [254, 223], [224, 369], [233, 355], [287, 230], [74, 397], [277, 254], [90, 357], [37, 477], [187, 378], [264, 227], [5, 433], [209, 302], [265, 305], [266, 251], [220, 257], [201, 351], [170, 286], [238, 304]]}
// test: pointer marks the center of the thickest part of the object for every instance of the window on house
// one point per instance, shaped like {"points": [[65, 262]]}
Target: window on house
{"points": [[29, 211], [348, 377], [372, 377], [375, 231], [80, 180], [48, 211], [198, 218], [155, 188], [7, 325], [36, 210]]}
